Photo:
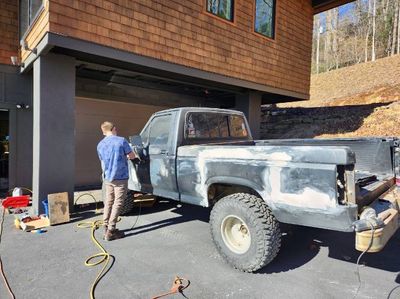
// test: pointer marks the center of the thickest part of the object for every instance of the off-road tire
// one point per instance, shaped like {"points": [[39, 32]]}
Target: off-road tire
{"points": [[128, 203], [261, 223]]}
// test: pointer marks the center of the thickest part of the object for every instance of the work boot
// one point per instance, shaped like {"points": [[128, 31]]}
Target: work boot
{"points": [[113, 235], [105, 232]]}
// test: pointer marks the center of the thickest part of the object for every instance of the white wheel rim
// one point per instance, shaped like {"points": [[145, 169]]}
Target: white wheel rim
{"points": [[235, 234]]}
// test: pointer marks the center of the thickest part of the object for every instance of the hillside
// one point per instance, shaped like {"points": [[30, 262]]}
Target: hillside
{"points": [[361, 100]]}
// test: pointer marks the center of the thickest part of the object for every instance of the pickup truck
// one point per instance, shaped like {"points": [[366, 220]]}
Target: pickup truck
{"points": [[207, 157]]}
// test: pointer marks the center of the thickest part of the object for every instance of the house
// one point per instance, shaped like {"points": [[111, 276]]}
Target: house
{"points": [[68, 65]]}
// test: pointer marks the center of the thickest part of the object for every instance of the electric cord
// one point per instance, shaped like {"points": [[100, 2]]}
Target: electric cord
{"points": [[359, 258], [137, 217], [1, 262], [103, 256], [392, 292], [94, 199]]}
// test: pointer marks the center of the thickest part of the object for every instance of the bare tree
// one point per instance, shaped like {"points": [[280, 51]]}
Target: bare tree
{"points": [[394, 32], [398, 26], [335, 33], [373, 57], [318, 27], [366, 30], [328, 35]]}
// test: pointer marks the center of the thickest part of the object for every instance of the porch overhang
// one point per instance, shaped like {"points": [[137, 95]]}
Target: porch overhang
{"points": [[99, 54], [323, 5]]}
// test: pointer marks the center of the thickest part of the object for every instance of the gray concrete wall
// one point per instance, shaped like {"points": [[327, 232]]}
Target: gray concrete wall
{"points": [[250, 104], [17, 89], [53, 127]]}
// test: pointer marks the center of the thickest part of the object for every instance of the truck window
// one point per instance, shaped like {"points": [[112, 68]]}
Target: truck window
{"points": [[159, 130], [206, 125], [238, 126], [145, 135]]}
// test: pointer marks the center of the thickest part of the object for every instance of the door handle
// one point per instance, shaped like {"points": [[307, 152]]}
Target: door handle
{"points": [[157, 151]]}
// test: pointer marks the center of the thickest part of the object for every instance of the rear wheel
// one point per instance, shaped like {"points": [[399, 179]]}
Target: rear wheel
{"points": [[128, 203], [244, 231]]}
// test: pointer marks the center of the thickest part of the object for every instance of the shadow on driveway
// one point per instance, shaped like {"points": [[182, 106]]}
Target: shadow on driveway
{"points": [[299, 244]]}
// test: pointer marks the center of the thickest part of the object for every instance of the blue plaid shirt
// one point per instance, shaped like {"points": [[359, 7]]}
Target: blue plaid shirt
{"points": [[112, 151]]}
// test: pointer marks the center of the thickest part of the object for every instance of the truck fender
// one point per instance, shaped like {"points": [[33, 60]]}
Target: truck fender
{"points": [[239, 182]]}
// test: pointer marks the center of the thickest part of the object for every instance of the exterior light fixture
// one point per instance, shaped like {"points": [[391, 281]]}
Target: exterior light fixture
{"points": [[26, 48], [22, 106], [15, 61]]}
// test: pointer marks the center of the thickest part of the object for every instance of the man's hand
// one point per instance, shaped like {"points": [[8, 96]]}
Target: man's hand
{"points": [[131, 156]]}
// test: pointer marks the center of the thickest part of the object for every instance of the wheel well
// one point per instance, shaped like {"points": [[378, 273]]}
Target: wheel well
{"points": [[219, 190]]}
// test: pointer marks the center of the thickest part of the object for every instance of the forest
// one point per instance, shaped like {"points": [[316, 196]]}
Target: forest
{"points": [[361, 31]]}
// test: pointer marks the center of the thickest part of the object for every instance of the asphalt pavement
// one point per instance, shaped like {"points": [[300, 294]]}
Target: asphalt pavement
{"points": [[173, 239]]}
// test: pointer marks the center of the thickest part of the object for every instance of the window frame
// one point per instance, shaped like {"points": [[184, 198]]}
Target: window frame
{"points": [[230, 22], [31, 19], [274, 22], [187, 140]]}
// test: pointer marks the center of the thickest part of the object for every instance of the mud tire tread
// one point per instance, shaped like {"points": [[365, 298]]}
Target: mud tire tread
{"points": [[263, 227], [127, 207]]}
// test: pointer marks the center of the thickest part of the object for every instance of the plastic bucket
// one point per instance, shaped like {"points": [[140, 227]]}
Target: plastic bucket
{"points": [[46, 207]]}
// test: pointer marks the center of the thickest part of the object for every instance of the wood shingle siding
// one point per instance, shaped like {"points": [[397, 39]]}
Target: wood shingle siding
{"points": [[8, 31], [182, 32]]}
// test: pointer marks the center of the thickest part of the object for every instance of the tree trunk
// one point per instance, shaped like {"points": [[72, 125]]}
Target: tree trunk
{"points": [[359, 31], [373, 29], [328, 35], [368, 30], [318, 25], [394, 29], [398, 26], [336, 36]]}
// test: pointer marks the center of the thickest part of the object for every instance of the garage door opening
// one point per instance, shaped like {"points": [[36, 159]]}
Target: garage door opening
{"points": [[129, 118]]}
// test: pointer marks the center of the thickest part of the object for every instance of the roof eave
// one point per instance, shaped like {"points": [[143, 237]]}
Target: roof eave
{"points": [[323, 5]]}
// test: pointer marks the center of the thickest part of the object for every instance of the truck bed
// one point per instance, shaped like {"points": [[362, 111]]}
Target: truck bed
{"points": [[374, 169]]}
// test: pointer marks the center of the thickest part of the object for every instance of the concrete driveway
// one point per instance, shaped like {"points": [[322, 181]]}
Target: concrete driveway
{"points": [[173, 239]]}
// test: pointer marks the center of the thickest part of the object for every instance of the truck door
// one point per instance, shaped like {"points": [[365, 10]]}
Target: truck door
{"points": [[162, 154]]}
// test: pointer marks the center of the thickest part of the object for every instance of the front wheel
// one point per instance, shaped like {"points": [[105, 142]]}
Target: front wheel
{"points": [[244, 231]]}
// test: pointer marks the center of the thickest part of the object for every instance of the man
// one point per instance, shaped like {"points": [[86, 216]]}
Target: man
{"points": [[113, 152]]}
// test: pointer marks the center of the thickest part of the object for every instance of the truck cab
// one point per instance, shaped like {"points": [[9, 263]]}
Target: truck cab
{"points": [[167, 130]]}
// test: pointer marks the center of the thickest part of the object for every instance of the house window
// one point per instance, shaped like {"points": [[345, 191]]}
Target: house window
{"points": [[221, 8], [28, 11], [264, 20]]}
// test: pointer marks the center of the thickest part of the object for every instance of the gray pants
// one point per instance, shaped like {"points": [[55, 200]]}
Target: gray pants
{"points": [[115, 194]]}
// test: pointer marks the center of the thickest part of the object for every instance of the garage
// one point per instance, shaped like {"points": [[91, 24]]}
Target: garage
{"points": [[129, 118]]}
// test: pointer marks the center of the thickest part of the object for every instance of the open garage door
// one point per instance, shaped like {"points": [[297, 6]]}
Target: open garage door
{"points": [[89, 114]]}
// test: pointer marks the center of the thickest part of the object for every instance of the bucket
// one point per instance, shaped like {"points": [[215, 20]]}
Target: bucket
{"points": [[17, 192], [46, 207]]}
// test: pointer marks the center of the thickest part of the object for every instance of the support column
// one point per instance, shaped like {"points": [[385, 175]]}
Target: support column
{"points": [[250, 105], [53, 127]]}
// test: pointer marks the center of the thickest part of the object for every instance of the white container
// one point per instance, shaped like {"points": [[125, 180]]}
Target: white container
{"points": [[17, 192]]}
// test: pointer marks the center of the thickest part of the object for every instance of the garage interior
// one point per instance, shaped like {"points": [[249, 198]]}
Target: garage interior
{"points": [[127, 99]]}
